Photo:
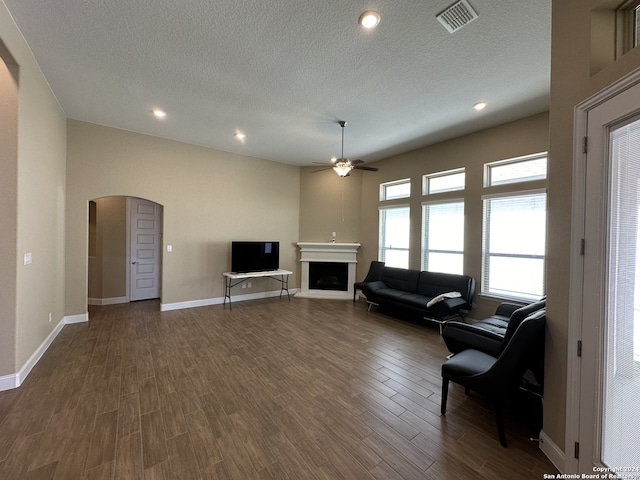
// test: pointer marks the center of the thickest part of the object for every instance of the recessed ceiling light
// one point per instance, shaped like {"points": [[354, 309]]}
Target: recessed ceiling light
{"points": [[480, 105], [240, 136], [369, 19], [159, 113]]}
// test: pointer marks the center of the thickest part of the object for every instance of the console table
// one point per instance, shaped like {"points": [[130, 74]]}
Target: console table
{"points": [[232, 279]]}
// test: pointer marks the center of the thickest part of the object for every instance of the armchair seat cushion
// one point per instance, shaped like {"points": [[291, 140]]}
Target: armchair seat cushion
{"points": [[467, 363]]}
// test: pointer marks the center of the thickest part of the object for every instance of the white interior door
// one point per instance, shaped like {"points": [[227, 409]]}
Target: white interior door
{"points": [[145, 222], [609, 387]]}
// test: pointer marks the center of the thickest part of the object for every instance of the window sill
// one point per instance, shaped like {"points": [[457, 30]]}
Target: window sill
{"points": [[506, 298]]}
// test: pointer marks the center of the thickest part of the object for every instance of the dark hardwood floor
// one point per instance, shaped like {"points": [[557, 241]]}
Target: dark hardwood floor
{"points": [[307, 389]]}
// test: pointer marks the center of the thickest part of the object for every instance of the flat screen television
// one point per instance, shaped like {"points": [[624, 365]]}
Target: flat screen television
{"points": [[255, 256]]}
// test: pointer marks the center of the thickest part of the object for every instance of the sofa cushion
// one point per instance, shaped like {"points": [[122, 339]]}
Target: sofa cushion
{"points": [[401, 279], [496, 324]]}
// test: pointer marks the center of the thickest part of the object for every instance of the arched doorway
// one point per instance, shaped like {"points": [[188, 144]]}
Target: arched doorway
{"points": [[125, 255]]}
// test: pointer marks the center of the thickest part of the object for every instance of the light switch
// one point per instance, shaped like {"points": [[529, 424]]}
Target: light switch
{"points": [[169, 248], [27, 258]]}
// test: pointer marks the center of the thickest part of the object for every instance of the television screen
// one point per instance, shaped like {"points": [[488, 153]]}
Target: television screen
{"points": [[255, 256]]}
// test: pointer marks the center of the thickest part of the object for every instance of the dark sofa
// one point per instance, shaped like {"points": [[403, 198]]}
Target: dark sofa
{"points": [[409, 291]]}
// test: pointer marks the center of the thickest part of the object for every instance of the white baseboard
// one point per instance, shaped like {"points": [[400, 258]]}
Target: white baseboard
{"points": [[7, 382], [108, 301], [205, 302], [552, 452]]}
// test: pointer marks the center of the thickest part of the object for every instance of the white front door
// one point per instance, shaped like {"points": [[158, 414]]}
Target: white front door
{"points": [[608, 400], [145, 221]]}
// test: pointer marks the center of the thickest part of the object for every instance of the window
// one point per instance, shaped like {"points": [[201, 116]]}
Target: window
{"points": [[513, 250], [393, 241], [443, 182], [396, 189], [443, 236], [523, 169], [628, 22]]}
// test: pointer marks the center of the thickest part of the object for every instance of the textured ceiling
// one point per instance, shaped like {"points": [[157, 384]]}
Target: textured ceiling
{"points": [[285, 71]]}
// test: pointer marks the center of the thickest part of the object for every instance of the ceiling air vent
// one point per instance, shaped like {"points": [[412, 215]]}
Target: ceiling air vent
{"points": [[457, 16]]}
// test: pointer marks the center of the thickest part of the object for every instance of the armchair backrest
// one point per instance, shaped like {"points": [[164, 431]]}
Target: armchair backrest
{"points": [[512, 362], [517, 318]]}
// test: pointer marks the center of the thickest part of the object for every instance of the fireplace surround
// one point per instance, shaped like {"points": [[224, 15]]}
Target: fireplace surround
{"points": [[331, 255]]}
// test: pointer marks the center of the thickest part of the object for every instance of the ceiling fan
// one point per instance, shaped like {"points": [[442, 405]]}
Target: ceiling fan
{"points": [[343, 166]]}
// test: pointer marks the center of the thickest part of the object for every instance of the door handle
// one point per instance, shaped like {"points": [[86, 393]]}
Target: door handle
{"points": [[133, 263]]}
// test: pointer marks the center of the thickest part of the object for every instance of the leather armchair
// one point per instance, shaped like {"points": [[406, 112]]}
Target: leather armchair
{"points": [[492, 334], [496, 377]]}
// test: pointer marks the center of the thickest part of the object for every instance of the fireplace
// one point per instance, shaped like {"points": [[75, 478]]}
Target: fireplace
{"points": [[328, 270], [328, 276]]}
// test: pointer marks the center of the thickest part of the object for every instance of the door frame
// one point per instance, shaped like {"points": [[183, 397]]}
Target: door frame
{"points": [[576, 291]]}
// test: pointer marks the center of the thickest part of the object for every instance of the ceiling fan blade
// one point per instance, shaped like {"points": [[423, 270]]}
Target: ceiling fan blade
{"points": [[322, 170], [368, 169], [356, 162]]}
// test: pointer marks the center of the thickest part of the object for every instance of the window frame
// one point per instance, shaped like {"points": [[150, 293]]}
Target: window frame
{"points": [[384, 186], [424, 248], [628, 26], [511, 161], [426, 180]]}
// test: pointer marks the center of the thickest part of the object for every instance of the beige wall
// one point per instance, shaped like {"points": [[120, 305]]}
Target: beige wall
{"points": [[209, 198], [331, 204], [571, 83], [38, 213]]}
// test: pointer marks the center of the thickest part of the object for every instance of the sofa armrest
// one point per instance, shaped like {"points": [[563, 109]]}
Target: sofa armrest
{"points": [[446, 307], [460, 336]]}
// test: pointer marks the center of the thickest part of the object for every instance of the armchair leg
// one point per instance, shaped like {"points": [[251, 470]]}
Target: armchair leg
{"points": [[500, 425], [445, 393]]}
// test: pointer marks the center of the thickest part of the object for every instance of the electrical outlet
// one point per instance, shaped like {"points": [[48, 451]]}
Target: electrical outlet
{"points": [[248, 284], [244, 285]]}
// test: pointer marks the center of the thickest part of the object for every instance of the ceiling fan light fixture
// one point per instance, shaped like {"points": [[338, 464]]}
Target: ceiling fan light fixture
{"points": [[369, 19], [342, 168]]}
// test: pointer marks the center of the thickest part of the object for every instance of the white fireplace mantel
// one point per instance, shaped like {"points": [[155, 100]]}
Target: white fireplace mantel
{"points": [[327, 252]]}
